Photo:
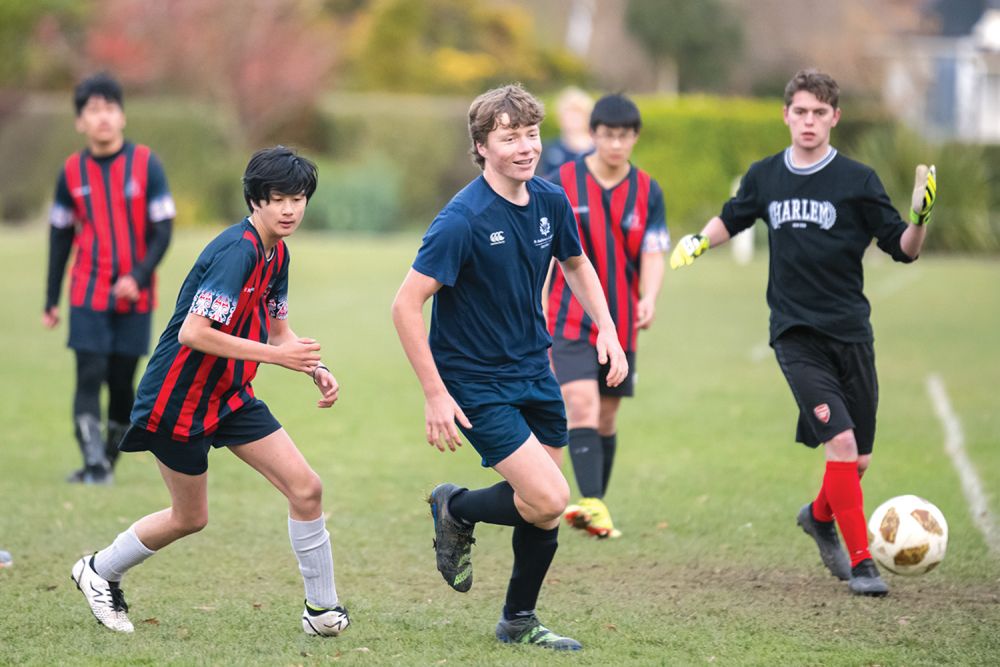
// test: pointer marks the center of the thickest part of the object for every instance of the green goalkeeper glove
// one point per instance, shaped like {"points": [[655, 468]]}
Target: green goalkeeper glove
{"points": [[924, 194], [687, 249]]}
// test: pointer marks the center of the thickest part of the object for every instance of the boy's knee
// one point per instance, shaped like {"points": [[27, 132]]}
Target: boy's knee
{"points": [[307, 492]]}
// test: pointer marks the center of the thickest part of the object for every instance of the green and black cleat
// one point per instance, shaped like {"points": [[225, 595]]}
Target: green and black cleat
{"points": [[453, 540]]}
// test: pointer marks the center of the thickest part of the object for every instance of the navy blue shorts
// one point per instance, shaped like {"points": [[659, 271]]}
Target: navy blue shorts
{"points": [[505, 414], [248, 424], [834, 384], [577, 360], [106, 332]]}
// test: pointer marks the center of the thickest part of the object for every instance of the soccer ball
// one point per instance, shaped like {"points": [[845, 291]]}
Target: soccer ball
{"points": [[908, 535]]}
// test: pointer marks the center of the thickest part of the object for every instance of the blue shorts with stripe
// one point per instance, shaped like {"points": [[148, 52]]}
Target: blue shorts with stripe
{"points": [[505, 414]]}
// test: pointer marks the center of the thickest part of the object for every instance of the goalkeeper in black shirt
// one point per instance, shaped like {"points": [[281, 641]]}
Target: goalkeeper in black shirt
{"points": [[822, 211]]}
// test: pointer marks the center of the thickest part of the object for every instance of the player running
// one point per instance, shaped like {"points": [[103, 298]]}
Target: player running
{"points": [[622, 221], [484, 260], [231, 316], [823, 210]]}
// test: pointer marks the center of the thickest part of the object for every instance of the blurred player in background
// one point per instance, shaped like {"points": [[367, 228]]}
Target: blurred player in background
{"points": [[573, 113], [196, 394], [113, 205], [622, 221], [822, 211], [485, 367]]}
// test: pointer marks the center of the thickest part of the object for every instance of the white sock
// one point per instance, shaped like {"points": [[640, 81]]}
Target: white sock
{"points": [[311, 544], [122, 555]]}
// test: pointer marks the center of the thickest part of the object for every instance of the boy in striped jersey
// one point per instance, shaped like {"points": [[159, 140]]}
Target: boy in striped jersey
{"points": [[620, 212], [231, 316], [113, 204]]}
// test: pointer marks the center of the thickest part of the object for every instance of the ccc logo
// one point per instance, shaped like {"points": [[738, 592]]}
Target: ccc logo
{"points": [[496, 238]]}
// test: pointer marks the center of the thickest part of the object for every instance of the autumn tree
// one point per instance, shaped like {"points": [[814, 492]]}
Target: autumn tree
{"points": [[265, 60], [452, 46]]}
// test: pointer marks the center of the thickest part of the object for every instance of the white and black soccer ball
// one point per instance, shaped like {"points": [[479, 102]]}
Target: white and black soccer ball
{"points": [[908, 535], [329, 623]]}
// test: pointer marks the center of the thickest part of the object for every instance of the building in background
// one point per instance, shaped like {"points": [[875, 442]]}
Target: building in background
{"points": [[948, 85]]}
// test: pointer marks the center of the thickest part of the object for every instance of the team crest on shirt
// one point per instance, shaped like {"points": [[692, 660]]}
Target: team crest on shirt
{"points": [[631, 220], [132, 188], [822, 412], [545, 229]]}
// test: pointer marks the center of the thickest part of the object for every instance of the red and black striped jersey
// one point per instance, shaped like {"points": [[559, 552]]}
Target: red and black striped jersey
{"points": [[111, 200], [617, 225], [185, 393]]}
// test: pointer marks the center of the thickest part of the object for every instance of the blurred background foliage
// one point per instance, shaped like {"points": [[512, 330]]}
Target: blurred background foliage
{"points": [[377, 91]]}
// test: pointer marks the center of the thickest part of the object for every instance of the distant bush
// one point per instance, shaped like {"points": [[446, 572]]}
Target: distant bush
{"points": [[356, 196], [425, 138], [962, 213]]}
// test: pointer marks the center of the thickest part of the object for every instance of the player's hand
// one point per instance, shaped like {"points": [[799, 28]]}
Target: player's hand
{"points": [[440, 413], [645, 312], [687, 250], [299, 354], [328, 386], [126, 288], [609, 351], [50, 318], [924, 194]]}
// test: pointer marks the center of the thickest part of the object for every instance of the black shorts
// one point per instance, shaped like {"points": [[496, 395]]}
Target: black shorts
{"points": [[248, 424], [106, 332], [577, 360], [834, 384]]}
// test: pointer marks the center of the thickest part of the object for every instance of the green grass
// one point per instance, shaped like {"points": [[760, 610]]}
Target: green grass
{"points": [[711, 570]]}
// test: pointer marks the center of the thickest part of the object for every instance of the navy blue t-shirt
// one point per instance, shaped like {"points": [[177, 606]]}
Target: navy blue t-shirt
{"points": [[492, 257]]}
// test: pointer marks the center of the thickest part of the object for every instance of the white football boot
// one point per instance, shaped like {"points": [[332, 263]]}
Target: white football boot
{"points": [[105, 598], [324, 622]]}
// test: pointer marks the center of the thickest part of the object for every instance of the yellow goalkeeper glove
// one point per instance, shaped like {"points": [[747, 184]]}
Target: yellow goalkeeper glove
{"points": [[687, 249], [924, 194]]}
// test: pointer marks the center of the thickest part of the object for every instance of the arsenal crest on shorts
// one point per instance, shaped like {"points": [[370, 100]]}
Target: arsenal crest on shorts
{"points": [[822, 412]]}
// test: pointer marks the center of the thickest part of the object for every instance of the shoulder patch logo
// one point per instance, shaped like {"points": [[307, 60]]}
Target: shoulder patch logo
{"points": [[497, 238]]}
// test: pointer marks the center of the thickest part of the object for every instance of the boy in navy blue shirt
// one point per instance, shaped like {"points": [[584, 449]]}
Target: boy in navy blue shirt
{"points": [[231, 315], [485, 365]]}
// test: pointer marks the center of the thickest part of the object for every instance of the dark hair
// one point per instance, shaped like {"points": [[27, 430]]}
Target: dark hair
{"points": [[615, 111], [813, 81], [277, 169], [99, 85], [521, 107]]}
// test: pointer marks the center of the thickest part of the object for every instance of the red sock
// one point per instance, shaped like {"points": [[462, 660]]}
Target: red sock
{"points": [[842, 488], [821, 506]]}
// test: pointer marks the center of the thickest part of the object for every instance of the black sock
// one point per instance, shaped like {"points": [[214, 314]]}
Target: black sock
{"points": [[534, 549], [91, 372], [494, 504], [587, 456], [608, 445]]}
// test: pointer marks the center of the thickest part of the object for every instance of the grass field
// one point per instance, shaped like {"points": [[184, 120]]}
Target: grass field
{"points": [[711, 568]]}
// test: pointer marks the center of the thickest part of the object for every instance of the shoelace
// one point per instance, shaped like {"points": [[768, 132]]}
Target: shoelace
{"points": [[118, 599]]}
